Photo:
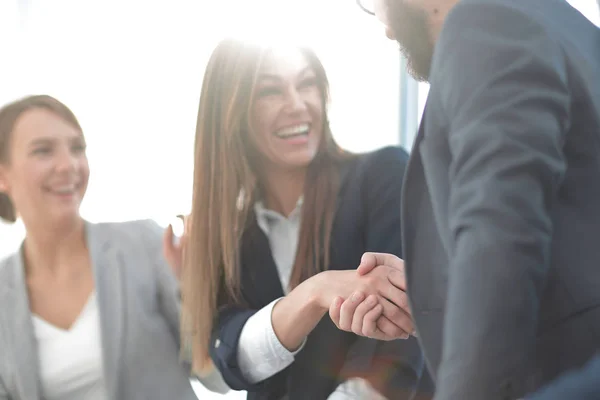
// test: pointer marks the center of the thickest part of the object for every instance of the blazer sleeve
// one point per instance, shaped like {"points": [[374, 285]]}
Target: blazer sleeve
{"points": [[503, 87], [581, 385], [224, 347], [394, 367]]}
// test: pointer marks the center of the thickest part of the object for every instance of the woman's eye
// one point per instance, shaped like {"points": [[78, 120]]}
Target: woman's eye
{"points": [[307, 83], [268, 91], [79, 148], [42, 150]]}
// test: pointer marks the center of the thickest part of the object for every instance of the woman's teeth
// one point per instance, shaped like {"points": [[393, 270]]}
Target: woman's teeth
{"points": [[64, 189], [295, 130]]}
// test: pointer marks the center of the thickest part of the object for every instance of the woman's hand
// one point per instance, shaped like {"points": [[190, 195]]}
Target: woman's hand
{"points": [[375, 304], [296, 315], [173, 246]]}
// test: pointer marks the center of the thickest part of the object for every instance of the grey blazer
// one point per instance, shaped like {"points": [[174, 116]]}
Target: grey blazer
{"points": [[501, 200], [139, 315]]}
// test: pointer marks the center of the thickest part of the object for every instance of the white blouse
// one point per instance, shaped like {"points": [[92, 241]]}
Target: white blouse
{"points": [[260, 353], [70, 361]]}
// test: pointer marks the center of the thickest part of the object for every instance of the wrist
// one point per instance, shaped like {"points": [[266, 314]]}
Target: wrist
{"points": [[317, 296]]}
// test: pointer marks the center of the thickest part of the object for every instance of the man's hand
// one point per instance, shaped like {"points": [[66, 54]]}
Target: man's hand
{"points": [[371, 260], [364, 316]]}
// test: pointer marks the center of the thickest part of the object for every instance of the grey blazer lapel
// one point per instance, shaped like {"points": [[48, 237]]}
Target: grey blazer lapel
{"points": [[18, 332], [108, 272]]}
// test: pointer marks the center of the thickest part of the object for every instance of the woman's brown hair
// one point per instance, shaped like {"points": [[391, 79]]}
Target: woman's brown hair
{"points": [[9, 115], [225, 186]]}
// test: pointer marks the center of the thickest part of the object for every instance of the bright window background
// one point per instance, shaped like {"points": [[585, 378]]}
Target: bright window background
{"points": [[132, 70]]}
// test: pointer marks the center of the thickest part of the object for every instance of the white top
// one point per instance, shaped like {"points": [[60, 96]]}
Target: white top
{"points": [[70, 361], [260, 353]]}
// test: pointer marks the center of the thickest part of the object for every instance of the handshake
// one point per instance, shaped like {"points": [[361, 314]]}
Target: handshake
{"points": [[370, 301]]}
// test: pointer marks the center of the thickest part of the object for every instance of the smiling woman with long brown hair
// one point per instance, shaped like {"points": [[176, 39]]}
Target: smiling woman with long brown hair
{"points": [[280, 217]]}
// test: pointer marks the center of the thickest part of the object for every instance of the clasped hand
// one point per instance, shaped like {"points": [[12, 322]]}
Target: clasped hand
{"points": [[378, 305]]}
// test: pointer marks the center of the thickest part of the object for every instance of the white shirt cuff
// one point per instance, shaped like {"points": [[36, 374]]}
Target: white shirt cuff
{"points": [[260, 353], [355, 389]]}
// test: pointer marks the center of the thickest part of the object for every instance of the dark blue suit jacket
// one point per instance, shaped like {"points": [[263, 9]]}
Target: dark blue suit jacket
{"points": [[367, 219], [501, 201], [577, 385]]}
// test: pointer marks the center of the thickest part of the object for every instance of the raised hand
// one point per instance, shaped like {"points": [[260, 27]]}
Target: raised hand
{"points": [[173, 247]]}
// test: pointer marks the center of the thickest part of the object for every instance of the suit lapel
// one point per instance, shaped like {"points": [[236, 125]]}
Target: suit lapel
{"points": [[109, 275], [412, 191], [21, 340]]}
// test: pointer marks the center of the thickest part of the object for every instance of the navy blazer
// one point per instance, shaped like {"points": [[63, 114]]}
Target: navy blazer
{"points": [[367, 219]]}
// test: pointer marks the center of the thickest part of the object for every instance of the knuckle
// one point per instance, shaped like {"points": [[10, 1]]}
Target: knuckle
{"points": [[393, 313], [403, 301]]}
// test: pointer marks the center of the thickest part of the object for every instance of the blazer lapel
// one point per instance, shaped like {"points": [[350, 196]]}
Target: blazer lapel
{"points": [[108, 271], [259, 272], [21, 342]]}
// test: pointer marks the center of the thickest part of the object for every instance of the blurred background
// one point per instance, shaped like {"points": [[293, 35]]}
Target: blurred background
{"points": [[131, 70]]}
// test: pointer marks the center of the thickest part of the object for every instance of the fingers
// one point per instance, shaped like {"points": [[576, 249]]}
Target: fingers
{"points": [[396, 296], [334, 311], [347, 310], [172, 251], [168, 247], [366, 315], [397, 277], [401, 321], [371, 260], [389, 330]]}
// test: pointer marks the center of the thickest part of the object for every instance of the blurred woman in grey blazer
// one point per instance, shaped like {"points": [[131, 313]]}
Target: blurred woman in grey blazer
{"points": [[89, 311]]}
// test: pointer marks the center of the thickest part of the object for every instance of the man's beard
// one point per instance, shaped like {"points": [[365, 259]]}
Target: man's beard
{"points": [[411, 29]]}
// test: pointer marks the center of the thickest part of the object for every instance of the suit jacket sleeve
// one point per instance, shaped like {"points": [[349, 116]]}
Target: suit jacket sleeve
{"points": [[502, 83], [580, 385], [393, 368]]}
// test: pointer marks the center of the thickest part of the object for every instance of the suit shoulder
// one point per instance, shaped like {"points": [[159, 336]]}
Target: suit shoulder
{"points": [[8, 268], [137, 230], [5, 264], [134, 226], [478, 13]]}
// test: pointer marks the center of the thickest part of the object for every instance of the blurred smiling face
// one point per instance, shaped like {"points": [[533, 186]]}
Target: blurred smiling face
{"points": [[287, 110], [47, 172]]}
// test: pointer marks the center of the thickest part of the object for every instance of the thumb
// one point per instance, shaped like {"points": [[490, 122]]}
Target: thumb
{"points": [[367, 262]]}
